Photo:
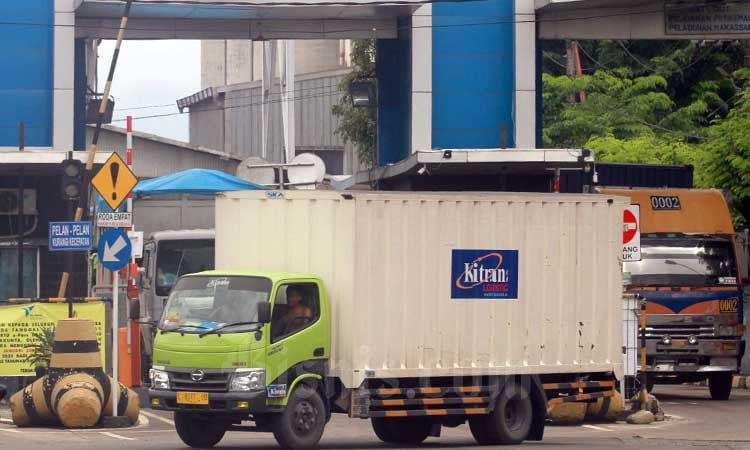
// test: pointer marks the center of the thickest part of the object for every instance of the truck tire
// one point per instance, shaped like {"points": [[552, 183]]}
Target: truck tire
{"points": [[403, 430], [301, 425], [720, 385], [510, 421], [197, 432]]}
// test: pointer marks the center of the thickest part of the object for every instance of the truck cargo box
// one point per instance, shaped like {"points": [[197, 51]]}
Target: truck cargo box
{"points": [[445, 284]]}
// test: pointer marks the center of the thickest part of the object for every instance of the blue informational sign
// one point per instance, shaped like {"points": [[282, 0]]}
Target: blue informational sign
{"points": [[114, 249], [484, 274], [70, 236]]}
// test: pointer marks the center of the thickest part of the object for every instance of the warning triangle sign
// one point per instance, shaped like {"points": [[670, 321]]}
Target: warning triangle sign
{"points": [[114, 181]]}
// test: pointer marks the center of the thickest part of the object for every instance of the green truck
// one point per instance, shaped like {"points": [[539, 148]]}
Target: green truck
{"points": [[393, 308]]}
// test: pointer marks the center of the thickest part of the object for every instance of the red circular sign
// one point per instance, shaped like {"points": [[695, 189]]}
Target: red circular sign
{"points": [[630, 227]]}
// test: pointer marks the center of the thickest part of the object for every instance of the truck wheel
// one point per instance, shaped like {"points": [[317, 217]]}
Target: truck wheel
{"points": [[301, 424], [720, 385], [197, 432], [510, 421], [407, 430]]}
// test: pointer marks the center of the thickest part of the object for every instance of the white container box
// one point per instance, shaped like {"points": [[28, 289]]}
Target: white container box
{"points": [[395, 267]]}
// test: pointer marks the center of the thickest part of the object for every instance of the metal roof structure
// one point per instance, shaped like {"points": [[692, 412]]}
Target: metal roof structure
{"points": [[244, 19]]}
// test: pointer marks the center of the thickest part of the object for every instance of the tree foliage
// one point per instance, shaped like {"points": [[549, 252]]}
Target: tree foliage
{"points": [[358, 125], [670, 102]]}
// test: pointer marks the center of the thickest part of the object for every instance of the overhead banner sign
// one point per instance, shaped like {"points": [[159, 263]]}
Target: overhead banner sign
{"points": [[484, 274], [631, 234], [114, 220], [719, 18], [20, 324]]}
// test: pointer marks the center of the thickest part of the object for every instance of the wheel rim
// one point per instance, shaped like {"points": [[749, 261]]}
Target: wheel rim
{"points": [[305, 418]]}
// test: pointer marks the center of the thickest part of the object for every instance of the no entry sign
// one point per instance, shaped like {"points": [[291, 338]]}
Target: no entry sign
{"points": [[631, 234]]}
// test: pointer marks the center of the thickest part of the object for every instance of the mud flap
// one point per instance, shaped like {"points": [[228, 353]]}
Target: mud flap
{"points": [[539, 402]]}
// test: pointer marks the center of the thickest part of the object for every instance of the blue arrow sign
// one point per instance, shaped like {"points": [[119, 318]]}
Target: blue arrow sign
{"points": [[114, 249]]}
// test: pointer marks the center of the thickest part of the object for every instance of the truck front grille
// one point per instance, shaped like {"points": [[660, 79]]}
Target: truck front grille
{"points": [[679, 331], [212, 382]]}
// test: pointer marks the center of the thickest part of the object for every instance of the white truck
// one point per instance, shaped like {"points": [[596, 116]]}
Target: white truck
{"points": [[413, 310]]}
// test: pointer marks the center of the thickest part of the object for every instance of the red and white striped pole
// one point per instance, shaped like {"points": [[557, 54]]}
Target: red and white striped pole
{"points": [[129, 156], [131, 278]]}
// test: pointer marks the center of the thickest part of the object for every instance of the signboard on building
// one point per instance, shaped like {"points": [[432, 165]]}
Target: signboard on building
{"points": [[114, 220], [70, 236], [701, 19], [631, 234]]}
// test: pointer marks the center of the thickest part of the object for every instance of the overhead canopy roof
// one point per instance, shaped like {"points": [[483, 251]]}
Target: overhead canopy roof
{"points": [[195, 182], [471, 163], [244, 19]]}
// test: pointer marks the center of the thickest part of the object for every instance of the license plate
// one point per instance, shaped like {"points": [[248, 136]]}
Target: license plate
{"points": [[730, 347], [192, 398], [679, 342]]}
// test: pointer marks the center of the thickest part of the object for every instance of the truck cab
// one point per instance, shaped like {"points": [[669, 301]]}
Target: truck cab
{"points": [[234, 346], [167, 255], [689, 277]]}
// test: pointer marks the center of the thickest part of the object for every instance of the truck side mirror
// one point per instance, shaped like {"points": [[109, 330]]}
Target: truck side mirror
{"points": [[264, 312], [143, 280]]}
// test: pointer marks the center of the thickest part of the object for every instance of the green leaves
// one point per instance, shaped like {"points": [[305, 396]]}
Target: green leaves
{"points": [[678, 102], [358, 125], [42, 348]]}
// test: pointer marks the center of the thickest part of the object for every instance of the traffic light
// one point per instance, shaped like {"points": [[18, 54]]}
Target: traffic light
{"points": [[72, 179]]}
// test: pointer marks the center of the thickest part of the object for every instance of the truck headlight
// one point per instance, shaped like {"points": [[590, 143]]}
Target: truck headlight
{"points": [[246, 380], [726, 330], [159, 379]]}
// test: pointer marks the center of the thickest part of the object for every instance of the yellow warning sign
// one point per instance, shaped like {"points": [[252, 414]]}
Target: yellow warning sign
{"points": [[114, 181]]}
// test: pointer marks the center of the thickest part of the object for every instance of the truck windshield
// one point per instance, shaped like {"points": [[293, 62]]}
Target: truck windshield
{"points": [[200, 303], [689, 262], [177, 258]]}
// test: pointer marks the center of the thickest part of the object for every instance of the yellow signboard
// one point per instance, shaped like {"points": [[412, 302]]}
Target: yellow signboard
{"points": [[114, 181], [19, 323]]}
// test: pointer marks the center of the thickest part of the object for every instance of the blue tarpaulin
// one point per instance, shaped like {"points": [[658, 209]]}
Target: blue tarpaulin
{"points": [[195, 182]]}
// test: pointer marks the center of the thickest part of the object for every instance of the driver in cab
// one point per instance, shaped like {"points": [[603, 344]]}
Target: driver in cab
{"points": [[298, 315]]}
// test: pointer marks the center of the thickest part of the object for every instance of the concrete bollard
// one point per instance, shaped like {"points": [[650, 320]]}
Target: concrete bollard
{"points": [[128, 404], [77, 400], [30, 406], [571, 413], [607, 409]]}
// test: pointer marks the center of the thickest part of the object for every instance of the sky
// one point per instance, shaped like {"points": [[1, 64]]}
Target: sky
{"points": [[152, 73]]}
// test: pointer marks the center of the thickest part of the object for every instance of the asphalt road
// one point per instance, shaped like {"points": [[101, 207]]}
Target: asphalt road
{"points": [[693, 422]]}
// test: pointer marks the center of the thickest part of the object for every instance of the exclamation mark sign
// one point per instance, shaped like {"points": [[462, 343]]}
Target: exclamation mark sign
{"points": [[114, 170]]}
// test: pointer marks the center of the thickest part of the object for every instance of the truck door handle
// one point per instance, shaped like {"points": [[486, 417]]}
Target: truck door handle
{"points": [[320, 351]]}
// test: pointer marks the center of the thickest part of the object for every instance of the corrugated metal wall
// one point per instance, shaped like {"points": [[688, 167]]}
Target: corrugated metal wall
{"points": [[386, 261], [154, 159], [241, 110], [173, 213]]}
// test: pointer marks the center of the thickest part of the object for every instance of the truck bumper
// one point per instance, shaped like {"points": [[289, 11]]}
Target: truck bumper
{"points": [[218, 402], [714, 355]]}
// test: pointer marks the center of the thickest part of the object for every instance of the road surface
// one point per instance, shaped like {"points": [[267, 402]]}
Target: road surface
{"points": [[693, 422]]}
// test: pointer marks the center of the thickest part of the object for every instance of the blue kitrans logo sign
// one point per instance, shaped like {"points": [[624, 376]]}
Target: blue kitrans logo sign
{"points": [[484, 274]]}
